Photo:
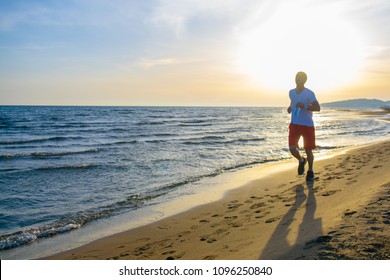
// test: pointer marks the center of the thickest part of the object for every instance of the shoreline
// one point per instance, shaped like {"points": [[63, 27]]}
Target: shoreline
{"points": [[210, 187], [278, 216]]}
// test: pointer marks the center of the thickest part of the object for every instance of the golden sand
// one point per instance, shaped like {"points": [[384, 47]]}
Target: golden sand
{"points": [[343, 214]]}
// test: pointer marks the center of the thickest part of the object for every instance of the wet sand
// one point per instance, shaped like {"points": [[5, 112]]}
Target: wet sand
{"points": [[343, 214]]}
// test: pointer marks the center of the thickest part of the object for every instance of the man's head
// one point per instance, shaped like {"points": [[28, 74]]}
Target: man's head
{"points": [[300, 78]]}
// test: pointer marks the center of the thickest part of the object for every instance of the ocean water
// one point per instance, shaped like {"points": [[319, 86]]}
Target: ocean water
{"points": [[64, 167]]}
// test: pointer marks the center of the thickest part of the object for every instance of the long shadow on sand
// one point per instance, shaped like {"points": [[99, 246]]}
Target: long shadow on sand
{"points": [[278, 247]]}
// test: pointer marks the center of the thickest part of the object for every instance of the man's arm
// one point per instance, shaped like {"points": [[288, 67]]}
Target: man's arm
{"points": [[314, 107], [289, 109]]}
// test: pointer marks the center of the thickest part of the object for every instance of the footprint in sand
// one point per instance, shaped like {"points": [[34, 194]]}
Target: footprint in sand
{"points": [[349, 212], [262, 215], [168, 253], [376, 228], [319, 240], [235, 225], [142, 248], [234, 205], [230, 217], [181, 236], [373, 249], [207, 239], [212, 257], [350, 182], [271, 220], [257, 205], [329, 193], [278, 196], [220, 231]]}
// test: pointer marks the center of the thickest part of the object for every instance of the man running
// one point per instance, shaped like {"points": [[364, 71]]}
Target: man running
{"points": [[303, 103]]}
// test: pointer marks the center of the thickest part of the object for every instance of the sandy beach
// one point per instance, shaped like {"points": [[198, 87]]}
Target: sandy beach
{"points": [[343, 214]]}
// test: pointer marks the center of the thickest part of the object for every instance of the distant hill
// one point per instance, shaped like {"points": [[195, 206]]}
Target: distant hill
{"points": [[358, 103]]}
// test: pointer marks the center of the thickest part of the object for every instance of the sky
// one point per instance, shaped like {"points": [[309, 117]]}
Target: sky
{"points": [[191, 53]]}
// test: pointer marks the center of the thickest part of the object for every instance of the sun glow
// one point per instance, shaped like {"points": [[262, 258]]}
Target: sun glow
{"points": [[317, 40]]}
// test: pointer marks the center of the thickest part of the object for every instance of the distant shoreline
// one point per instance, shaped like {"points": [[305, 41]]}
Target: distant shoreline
{"points": [[354, 104]]}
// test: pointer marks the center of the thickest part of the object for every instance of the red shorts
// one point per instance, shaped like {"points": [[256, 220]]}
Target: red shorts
{"points": [[307, 132]]}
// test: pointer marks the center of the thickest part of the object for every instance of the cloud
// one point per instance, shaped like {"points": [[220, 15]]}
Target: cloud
{"points": [[147, 63], [177, 14]]}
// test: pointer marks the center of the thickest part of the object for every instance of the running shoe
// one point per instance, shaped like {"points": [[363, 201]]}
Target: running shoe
{"points": [[301, 166], [310, 175]]}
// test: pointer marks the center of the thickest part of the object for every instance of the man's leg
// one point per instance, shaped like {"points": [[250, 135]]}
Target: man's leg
{"points": [[302, 161], [309, 142], [293, 139], [310, 158], [295, 153]]}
